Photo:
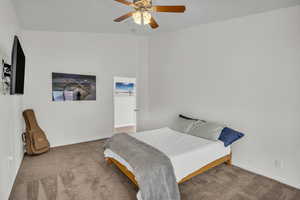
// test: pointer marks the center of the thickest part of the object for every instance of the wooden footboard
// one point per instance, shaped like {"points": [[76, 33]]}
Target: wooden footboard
{"points": [[226, 159], [123, 169]]}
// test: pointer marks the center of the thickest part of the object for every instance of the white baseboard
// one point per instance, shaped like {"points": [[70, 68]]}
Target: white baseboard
{"points": [[80, 140], [259, 172]]}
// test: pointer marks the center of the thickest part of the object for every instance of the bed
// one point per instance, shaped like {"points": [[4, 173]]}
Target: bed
{"points": [[189, 155]]}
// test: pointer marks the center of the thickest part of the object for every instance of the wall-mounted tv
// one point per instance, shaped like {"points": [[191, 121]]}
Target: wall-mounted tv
{"points": [[17, 68]]}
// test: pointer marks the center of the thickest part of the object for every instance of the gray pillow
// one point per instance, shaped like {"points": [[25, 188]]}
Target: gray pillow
{"points": [[184, 123], [208, 130]]}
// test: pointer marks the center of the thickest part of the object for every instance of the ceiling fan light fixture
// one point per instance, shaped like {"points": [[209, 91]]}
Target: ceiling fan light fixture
{"points": [[141, 17], [143, 10]]}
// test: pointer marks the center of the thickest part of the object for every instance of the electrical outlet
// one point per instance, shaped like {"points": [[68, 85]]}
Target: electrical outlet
{"points": [[10, 158], [278, 164], [10, 162]]}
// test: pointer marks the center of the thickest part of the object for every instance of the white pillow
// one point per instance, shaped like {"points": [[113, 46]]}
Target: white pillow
{"points": [[208, 130]]}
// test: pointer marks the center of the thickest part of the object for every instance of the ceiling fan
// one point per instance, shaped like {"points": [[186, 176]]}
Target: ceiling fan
{"points": [[143, 8]]}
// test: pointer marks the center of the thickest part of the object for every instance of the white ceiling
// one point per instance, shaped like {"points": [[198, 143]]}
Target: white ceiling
{"points": [[97, 16]]}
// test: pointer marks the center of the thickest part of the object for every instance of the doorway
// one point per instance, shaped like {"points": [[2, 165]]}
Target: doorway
{"points": [[124, 105]]}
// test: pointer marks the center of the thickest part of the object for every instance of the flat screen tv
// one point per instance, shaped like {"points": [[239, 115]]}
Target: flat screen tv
{"points": [[17, 68]]}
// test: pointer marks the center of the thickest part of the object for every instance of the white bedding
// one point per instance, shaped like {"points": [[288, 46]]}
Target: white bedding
{"points": [[187, 153]]}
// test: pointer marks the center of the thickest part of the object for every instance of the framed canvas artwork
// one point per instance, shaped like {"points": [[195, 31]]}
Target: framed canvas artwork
{"points": [[73, 87]]}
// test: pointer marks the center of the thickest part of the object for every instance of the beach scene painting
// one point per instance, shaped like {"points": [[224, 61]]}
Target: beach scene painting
{"points": [[124, 89], [73, 87]]}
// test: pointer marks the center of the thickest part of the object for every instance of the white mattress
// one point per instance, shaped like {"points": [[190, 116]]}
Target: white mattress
{"points": [[187, 153]]}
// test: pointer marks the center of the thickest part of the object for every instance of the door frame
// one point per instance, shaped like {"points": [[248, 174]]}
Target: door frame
{"points": [[125, 79]]}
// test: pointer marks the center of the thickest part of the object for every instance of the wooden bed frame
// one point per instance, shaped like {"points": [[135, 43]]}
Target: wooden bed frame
{"points": [[226, 159]]}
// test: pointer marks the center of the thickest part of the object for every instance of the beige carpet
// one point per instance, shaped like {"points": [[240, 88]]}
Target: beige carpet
{"points": [[79, 172]]}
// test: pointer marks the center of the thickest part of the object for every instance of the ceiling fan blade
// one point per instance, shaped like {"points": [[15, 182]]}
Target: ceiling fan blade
{"points": [[153, 23], [125, 2], [123, 17], [176, 9]]}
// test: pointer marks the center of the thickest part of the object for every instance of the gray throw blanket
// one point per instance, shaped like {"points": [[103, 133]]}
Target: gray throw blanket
{"points": [[153, 169]]}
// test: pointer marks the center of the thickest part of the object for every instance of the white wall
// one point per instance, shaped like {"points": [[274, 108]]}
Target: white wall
{"points": [[11, 124], [243, 72], [102, 55], [143, 85]]}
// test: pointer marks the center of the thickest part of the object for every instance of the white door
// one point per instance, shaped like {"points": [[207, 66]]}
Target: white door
{"points": [[124, 104]]}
